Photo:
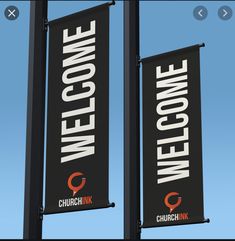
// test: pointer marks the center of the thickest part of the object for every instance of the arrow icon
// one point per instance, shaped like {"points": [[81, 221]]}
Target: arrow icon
{"points": [[200, 12], [225, 12]]}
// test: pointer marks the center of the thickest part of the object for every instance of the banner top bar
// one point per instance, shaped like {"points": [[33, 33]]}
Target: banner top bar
{"points": [[78, 14], [147, 59]]}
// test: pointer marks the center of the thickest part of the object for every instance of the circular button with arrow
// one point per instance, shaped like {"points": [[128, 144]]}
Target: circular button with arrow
{"points": [[200, 13], [225, 12]]}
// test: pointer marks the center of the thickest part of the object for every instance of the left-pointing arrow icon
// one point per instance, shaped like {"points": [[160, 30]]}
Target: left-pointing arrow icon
{"points": [[200, 12]]}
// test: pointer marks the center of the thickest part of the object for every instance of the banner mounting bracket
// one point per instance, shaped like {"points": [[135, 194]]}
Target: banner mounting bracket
{"points": [[112, 3], [138, 61], [46, 24], [140, 226], [202, 45], [207, 220], [111, 205], [41, 212]]}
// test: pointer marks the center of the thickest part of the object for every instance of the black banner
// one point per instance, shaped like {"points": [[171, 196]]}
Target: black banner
{"points": [[78, 112], [172, 145]]}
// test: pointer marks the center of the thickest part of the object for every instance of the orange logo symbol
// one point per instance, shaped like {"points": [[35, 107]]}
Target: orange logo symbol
{"points": [[169, 205], [75, 189]]}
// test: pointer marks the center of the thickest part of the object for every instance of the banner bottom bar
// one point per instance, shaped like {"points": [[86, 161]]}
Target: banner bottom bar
{"points": [[207, 220], [110, 205]]}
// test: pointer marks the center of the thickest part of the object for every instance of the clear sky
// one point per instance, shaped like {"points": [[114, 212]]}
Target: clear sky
{"points": [[164, 26]]}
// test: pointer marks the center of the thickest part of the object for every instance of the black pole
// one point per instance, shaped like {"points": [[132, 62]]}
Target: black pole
{"points": [[35, 121], [131, 121]]}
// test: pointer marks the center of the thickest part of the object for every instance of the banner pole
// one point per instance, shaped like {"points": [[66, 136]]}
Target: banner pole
{"points": [[131, 121], [35, 121]]}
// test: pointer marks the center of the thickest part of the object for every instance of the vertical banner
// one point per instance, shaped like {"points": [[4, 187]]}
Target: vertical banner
{"points": [[78, 112], [172, 145]]}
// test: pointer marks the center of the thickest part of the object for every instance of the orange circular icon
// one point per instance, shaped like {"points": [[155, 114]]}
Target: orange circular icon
{"points": [[75, 189], [169, 205]]}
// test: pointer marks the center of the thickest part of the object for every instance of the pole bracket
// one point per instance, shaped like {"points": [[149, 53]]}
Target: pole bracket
{"points": [[138, 61], [139, 226], [45, 24], [41, 212]]}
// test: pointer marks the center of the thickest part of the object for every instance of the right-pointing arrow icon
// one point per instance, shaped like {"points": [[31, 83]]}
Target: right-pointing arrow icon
{"points": [[225, 12]]}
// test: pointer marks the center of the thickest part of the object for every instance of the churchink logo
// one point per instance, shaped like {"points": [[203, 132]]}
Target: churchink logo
{"points": [[172, 206], [75, 188], [172, 201]]}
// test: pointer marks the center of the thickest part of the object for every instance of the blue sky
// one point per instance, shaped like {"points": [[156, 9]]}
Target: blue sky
{"points": [[164, 26]]}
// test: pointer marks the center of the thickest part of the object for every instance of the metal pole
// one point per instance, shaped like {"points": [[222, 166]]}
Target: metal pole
{"points": [[131, 121], [35, 121]]}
